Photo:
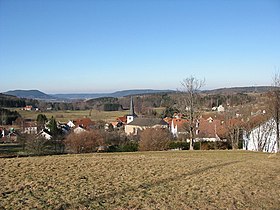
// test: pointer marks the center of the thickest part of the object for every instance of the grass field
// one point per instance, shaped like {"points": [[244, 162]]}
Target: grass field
{"points": [[65, 116], [152, 180]]}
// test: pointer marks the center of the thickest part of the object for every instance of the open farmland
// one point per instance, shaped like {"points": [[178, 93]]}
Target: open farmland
{"points": [[150, 180], [65, 116]]}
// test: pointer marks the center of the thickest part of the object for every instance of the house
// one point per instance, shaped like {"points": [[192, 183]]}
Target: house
{"points": [[220, 108], [210, 129], [71, 124], [27, 108], [139, 124], [12, 137], [207, 128], [65, 129], [2, 132], [177, 126], [85, 123], [79, 129], [45, 134], [122, 120], [30, 127], [261, 137]]}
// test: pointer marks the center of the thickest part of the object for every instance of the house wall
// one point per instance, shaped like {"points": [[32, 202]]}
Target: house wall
{"points": [[134, 129], [30, 130], [261, 138]]}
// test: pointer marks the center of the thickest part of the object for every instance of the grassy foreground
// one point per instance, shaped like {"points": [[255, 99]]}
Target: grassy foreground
{"points": [[151, 180]]}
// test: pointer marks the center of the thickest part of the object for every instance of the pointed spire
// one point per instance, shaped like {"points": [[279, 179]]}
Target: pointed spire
{"points": [[131, 112], [130, 117]]}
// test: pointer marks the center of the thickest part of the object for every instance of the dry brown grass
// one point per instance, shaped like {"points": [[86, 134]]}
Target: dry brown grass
{"points": [[148, 180]]}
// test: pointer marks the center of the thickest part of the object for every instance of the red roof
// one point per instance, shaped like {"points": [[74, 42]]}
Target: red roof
{"points": [[84, 122], [122, 119], [210, 128]]}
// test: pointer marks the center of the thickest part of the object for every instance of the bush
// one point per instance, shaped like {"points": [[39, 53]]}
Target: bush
{"points": [[153, 139], [179, 145], [84, 142], [126, 147]]}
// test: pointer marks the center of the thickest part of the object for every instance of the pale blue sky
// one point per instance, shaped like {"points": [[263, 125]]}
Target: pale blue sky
{"points": [[64, 46]]}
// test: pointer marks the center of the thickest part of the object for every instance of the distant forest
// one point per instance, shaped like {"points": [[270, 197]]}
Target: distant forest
{"points": [[13, 101]]}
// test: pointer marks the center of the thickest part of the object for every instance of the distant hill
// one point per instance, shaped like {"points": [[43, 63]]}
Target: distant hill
{"points": [[252, 89], [36, 94], [31, 94], [117, 94]]}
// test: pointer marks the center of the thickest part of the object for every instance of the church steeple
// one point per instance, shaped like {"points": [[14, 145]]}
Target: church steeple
{"points": [[131, 111], [130, 117]]}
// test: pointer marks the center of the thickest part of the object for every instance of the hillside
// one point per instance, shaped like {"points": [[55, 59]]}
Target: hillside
{"points": [[36, 94], [13, 101], [232, 90], [148, 180], [30, 94], [116, 94]]}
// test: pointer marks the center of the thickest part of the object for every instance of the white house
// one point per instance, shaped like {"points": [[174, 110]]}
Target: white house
{"points": [[177, 126], [261, 138], [220, 108], [71, 124], [79, 130], [45, 134]]}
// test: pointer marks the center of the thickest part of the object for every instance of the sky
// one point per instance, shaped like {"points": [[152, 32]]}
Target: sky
{"points": [[92, 46]]}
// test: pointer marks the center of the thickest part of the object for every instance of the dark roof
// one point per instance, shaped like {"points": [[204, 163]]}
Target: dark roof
{"points": [[148, 122]]}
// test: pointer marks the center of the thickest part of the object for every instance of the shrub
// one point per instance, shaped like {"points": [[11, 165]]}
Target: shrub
{"points": [[126, 147], [84, 142], [153, 139], [179, 145]]}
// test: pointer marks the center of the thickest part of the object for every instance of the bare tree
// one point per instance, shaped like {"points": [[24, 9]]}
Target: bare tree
{"points": [[84, 142], [275, 105], [152, 139], [190, 89]]}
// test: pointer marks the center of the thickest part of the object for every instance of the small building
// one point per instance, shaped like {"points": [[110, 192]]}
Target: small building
{"points": [[27, 108]]}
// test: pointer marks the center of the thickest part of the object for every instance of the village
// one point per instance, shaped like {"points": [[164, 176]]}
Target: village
{"points": [[212, 130]]}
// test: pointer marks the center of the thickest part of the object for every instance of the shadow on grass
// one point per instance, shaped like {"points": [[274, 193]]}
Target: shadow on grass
{"points": [[150, 185]]}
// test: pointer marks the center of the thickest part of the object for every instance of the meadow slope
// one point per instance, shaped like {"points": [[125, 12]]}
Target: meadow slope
{"points": [[150, 180]]}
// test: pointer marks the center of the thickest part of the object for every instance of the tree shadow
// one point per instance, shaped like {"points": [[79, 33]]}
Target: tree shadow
{"points": [[149, 185]]}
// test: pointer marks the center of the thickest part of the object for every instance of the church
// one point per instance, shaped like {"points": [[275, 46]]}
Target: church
{"points": [[136, 124]]}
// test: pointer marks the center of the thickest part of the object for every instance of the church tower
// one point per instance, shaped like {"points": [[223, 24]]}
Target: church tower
{"points": [[130, 117]]}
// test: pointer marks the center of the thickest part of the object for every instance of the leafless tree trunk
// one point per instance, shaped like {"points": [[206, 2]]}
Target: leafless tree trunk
{"points": [[275, 106], [191, 87]]}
